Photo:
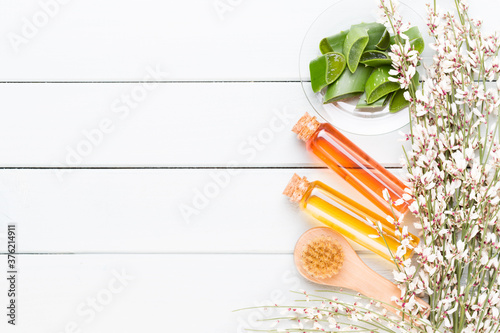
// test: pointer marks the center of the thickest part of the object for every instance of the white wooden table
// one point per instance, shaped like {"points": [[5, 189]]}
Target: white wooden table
{"points": [[144, 147]]}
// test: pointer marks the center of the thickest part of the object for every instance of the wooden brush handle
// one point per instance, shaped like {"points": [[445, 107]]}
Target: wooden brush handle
{"points": [[355, 274]]}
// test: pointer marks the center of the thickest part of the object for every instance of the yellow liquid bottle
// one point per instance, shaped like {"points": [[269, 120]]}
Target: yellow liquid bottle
{"points": [[345, 216]]}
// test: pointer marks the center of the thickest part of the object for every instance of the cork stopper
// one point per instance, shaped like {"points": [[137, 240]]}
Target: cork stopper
{"points": [[305, 127], [296, 188]]}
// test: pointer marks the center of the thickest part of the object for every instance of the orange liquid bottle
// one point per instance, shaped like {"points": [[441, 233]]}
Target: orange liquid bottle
{"points": [[345, 216], [351, 163]]}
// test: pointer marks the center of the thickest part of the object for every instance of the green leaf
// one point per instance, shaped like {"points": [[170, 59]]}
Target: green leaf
{"points": [[384, 41], [326, 69], [415, 38], [333, 43], [375, 58], [348, 85], [381, 102], [398, 101], [354, 45], [418, 44], [413, 33], [378, 84], [375, 33]]}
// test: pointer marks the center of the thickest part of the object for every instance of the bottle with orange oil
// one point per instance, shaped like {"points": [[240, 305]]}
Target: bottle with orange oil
{"points": [[351, 163], [346, 217]]}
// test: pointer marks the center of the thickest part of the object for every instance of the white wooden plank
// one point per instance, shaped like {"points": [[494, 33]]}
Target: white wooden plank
{"points": [[168, 293], [248, 124], [166, 211], [116, 39], [246, 40]]}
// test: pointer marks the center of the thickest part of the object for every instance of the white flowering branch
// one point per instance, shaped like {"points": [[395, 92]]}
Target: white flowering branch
{"points": [[324, 313], [454, 175], [404, 57], [453, 190]]}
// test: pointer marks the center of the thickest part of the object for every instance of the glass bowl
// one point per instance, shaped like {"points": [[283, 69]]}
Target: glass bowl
{"points": [[343, 114]]}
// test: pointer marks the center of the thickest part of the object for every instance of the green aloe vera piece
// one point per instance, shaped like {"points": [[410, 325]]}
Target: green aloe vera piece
{"points": [[415, 38], [375, 33], [375, 58], [418, 44], [354, 45], [381, 102], [348, 85], [398, 101], [326, 69], [384, 41], [333, 43], [379, 85]]}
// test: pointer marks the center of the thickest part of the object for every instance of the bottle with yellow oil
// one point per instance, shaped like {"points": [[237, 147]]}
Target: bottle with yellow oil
{"points": [[346, 216]]}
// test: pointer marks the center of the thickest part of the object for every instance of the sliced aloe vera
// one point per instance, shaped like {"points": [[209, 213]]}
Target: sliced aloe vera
{"points": [[374, 58], [326, 69], [375, 33], [333, 43], [398, 101], [418, 44], [355, 42], [384, 41], [381, 102], [354, 45], [348, 85], [415, 37], [379, 85]]}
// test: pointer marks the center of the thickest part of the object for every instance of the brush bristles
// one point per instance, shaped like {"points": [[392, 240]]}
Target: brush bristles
{"points": [[322, 257]]}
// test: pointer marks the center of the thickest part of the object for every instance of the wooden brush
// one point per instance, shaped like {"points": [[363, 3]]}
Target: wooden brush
{"points": [[324, 256]]}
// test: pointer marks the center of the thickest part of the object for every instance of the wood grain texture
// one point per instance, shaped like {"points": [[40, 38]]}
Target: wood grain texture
{"points": [[166, 211], [114, 40], [234, 250], [135, 293], [189, 124], [354, 274]]}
